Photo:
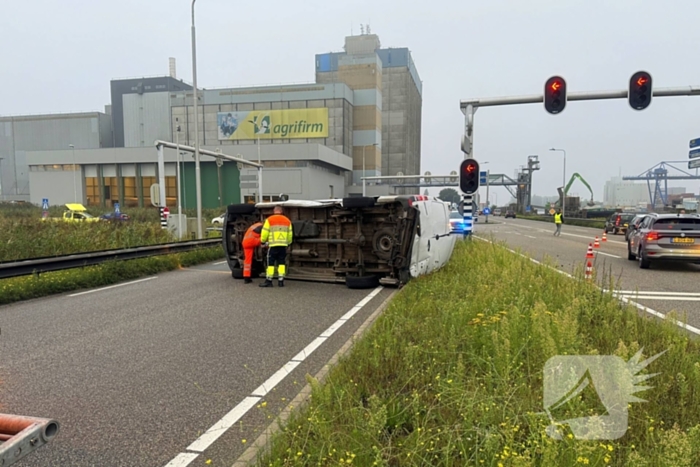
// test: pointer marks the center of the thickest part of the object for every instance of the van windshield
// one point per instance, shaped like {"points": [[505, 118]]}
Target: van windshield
{"points": [[456, 215]]}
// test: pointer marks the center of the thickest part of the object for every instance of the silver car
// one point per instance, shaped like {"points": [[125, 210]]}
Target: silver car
{"points": [[665, 237]]}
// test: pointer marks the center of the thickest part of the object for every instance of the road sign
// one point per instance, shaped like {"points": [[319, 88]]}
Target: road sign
{"points": [[45, 204], [694, 153], [694, 164], [552, 211], [116, 208], [166, 212], [155, 194], [482, 177], [528, 209], [487, 211], [694, 142]]}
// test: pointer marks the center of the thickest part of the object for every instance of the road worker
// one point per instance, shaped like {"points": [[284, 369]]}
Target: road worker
{"points": [[558, 219], [251, 241], [277, 233]]}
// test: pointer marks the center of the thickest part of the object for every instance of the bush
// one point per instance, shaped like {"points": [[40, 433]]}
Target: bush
{"points": [[40, 285]]}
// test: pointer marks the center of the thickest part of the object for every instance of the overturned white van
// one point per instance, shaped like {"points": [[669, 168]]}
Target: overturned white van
{"points": [[359, 241]]}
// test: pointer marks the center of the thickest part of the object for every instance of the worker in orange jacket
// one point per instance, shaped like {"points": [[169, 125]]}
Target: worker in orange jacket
{"points": [[251, 240]]}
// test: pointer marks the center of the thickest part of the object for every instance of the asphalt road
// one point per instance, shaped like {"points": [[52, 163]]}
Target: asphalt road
{"points": [[137, 374], [663, 288]]}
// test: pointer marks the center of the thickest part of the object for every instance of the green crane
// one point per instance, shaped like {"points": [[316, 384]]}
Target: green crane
{"points": [[568, 185]]}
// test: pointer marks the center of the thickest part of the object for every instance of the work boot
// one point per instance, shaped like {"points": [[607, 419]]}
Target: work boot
{"points": [[247, 280], [267, 283], [280, 283]]}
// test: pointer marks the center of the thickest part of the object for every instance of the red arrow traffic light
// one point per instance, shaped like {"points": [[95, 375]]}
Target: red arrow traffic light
{"points": [[640, 90]]}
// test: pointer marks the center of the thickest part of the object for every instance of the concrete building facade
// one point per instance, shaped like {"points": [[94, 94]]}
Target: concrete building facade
{"points": [[315, 140], [18, 135]]}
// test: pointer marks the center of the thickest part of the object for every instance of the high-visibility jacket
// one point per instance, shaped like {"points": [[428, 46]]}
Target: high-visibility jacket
{"points": [[557, 218], [277, 231], [251, 239]]}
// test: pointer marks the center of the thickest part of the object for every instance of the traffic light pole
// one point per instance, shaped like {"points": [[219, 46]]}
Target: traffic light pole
{"points": [[470, 106]]}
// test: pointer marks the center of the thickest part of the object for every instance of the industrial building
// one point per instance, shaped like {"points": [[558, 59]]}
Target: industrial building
{"points": [[362, 117]]}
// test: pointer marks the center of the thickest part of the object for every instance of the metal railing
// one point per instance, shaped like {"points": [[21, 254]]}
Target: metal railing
{"points": [[58, 263], [20, 436]]}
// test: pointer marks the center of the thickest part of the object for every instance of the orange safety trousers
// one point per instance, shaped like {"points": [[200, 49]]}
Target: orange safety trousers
{"points": [[250, 242]]}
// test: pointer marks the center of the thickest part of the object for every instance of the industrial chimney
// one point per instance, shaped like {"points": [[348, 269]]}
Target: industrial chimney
{"points": [[172, 68]]}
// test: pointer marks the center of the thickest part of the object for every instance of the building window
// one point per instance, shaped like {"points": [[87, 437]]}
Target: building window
{"points": [[146, 184], [171, 191], [130, 197], [92, 190], [111, 191]]}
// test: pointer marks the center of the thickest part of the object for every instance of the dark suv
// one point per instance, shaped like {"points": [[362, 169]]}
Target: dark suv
{"points": [[665, 237], [510, 214], [618, 222]]}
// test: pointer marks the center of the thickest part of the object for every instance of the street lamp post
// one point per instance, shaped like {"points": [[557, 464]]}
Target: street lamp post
{"points": [[563, 184], [197, 173], [75, 186]]}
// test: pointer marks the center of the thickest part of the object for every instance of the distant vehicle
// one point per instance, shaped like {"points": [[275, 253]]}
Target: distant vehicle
{"points": [[618, 222], [510, 214], [359, 241], [665, 237], [633, 224], [457, 222], [75, 212], [219, 220], [496, 212], [114, 217]]}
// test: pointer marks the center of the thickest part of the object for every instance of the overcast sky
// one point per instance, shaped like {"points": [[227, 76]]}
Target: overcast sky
{"points": [[58, 56]]}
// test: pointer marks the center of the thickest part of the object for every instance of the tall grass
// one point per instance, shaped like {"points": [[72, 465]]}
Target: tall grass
{"points": [[24, 235], [452, 374]]}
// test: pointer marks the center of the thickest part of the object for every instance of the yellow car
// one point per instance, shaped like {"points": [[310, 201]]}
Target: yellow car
{"points": [[75, 213]]}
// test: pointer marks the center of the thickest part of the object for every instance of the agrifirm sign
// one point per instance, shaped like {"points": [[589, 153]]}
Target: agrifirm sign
{"points": [[273, 124]]}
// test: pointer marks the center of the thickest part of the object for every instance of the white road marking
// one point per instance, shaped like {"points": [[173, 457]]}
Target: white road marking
{"points": [[182, 460], [647, 292], [607, 254], [220, 427], [113, 286], [657, 297], [530, 236], [220, 262], [588, 237], [623, 298]]}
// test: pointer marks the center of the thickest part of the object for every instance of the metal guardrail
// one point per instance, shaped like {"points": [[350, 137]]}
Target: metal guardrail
{"points": [[20, 436], [58, 263]]}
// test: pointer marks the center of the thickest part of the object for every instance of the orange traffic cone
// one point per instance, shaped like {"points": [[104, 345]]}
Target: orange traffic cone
{"points": [[596, 244], [605, 236], [589, 270], [589, 253]]}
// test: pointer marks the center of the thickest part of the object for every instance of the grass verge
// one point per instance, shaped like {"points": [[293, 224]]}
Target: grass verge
{"points": [[22, 288], [452, 374]]}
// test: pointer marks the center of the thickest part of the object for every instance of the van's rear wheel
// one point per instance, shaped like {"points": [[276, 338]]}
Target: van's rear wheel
{"points": [[361, 282]]}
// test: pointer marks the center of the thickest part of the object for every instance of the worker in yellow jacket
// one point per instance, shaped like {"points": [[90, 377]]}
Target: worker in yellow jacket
{"points": [[558, 220], [277, 233]]}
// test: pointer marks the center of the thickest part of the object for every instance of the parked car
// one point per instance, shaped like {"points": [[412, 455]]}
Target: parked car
{"points": [[633, 224], [665, 237], [219, 220], [359, 241], [457, 222], [618, 222], [496, 212], [114, 217], [510, 214], [75, 212]]}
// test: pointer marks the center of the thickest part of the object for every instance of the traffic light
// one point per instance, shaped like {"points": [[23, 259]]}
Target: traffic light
{"points": [[555, 94], [469, 176], [640, 90]]}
